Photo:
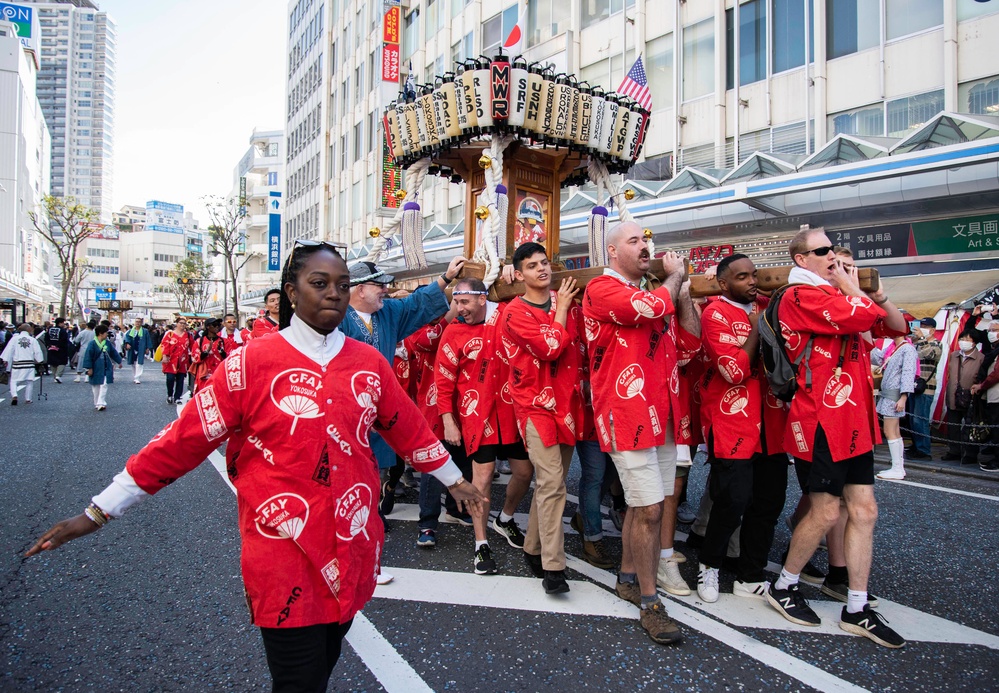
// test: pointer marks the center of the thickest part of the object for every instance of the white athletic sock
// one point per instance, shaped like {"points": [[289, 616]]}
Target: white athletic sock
{"points": [[897, 449], [504, 517], [665, 553], [480, 544], [856, 601], [785, 580]]}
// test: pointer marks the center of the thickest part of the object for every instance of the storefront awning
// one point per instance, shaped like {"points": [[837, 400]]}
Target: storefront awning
{"points": [[924, 295]]}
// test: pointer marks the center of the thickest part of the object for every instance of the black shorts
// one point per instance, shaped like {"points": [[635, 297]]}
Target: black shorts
{"points": [[823, 475], [503, 451]]}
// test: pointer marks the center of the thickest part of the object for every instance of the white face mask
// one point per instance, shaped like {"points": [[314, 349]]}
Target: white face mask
{"points": [[993, 337], [966, 345]]}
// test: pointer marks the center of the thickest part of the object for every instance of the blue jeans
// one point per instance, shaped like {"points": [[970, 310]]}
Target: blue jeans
{"points": [[431, 489], [593, 463], [920, 420]]}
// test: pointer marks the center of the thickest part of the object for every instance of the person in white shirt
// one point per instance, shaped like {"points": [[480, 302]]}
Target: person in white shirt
{"points": [[21, 355]]}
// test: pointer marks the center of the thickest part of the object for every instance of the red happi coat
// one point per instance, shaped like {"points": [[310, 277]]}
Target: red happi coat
{"points": [[587, 428], [686, 418], [735, 396], [230, 341], [473, 382], [176, 352], [544, 370], [401, 366], [306, 479], [629, 363], [845, 405], [263, 326], [202, 367], [422, 347]]}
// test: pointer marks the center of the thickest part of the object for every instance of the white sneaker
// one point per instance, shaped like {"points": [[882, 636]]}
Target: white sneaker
{"points": [[707, 584], [76, 379], [384, 578], [751, 590], [892, 474], [668, 577], [678, 557]]}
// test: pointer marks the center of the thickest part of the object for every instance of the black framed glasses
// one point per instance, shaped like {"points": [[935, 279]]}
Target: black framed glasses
{"points": [[824, 250]]}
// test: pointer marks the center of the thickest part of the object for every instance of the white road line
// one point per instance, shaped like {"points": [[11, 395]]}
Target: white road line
{"points": [[942, 488], [386, 664], [392, 671], [749, 646]]}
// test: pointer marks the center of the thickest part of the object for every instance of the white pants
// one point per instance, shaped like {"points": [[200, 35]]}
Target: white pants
{"points": [[22, 377], [136, 370], [100, 394]]}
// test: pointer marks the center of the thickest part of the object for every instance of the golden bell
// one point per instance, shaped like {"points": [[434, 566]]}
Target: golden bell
{"points": [[400, 194], [485, 161], [648, 234], [629, 194], [374, 232], [481, 212]]}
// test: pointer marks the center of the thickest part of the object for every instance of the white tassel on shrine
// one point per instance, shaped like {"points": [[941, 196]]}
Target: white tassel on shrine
{"points": [[417, 172], [412, 236], [502, 209], [598, 236]]}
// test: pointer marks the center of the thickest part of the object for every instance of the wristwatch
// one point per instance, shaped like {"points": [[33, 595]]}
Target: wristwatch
{"points": [[456, 484]]}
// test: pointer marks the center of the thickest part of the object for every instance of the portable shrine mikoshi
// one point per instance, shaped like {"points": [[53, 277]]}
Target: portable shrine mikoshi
{"points": [[515, 133]]}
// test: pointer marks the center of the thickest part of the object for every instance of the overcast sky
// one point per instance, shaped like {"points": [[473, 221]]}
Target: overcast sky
{"points": [[195, 77]]}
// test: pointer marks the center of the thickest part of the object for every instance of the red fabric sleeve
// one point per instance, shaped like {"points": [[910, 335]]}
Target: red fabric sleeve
{"points": [[824, 313], [722, 346], [446, 372], [543, 341], [623, 304]]}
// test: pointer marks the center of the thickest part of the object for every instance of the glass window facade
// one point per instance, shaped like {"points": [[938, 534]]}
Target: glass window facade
{"points": [[867, 121], [752, 43], [909, 16], [545, 20], [851, 26], [698, 59], [659, 69], [593, 11], [908, 114], [788, 30], [980, 98]]}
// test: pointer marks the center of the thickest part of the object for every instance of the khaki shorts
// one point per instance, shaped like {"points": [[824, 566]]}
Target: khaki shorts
{"points": [[648, 474]]}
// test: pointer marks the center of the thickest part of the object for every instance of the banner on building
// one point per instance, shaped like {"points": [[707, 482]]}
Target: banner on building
{"points": [[25, 23], [391, 178], [274, 232], [242, 196], [391, 38]]}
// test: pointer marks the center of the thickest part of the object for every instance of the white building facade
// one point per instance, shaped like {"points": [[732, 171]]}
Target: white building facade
{"points": [[877, 68], [25, 261], [258, 184], [77, 91]]}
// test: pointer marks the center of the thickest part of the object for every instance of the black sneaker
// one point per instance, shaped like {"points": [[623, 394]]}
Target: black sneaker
{"points": [[387, 503], [839, 591], [534, 565], [554, 582], [13, 401], [484, 563], [871, 624], [809, 574], [988, 466], [792, 605], [510, 531], [918, 455]]}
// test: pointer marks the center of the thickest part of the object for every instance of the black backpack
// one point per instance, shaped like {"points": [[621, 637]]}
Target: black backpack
{"points": [[780, 370]]}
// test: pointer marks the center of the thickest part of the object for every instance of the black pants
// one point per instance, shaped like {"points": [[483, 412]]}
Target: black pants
{"points": [[302, 659], [957, 438], [751, 492], [992, 416], [175, 385]]}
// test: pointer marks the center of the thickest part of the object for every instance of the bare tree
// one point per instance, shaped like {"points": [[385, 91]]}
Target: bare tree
{"points": [[83, 268], [192, 284], [65, 223], [228, 240]]}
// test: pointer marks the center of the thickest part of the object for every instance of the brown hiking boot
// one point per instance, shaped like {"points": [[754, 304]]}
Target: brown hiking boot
{"points": [[629, 592], [659, 625], [595, 555]]}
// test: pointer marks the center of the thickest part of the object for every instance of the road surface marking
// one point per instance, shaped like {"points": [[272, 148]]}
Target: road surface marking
{"points": [[392, 671], [943, 488]]}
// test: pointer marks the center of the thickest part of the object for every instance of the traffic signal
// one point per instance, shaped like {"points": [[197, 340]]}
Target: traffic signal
{"points": [[185, 281]]}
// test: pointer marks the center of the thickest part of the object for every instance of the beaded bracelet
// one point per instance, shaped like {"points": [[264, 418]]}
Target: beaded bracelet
{"points": [[96, 515]]}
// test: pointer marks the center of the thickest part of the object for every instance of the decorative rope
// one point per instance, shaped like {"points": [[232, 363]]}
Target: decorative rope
{"points": [[417, 172], [492, 228], [598, 173]]}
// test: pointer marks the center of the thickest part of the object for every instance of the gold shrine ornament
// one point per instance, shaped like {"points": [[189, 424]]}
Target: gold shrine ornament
{"points": [[481, 213], [629, 194], [400, 194], [648, 234], [374, 232], [485, 161]]}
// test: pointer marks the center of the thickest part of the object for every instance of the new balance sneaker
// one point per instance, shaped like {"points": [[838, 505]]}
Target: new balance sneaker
{"points": [[668, 577], [629, 592], [871, 624], [595, 554], [840, 590], [809, 574], [427, 539], [659, 625], [554, 582], [792, 605], [707, 583], [387, 502], [510, 530], [534, 565], [484, 562], [465, 520], [751, 590]]}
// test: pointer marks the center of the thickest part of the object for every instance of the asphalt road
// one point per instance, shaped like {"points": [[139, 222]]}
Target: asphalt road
{"points": [[154, 601]]}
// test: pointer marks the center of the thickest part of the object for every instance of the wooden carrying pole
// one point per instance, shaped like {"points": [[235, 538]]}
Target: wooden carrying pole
{"points": [[768, 279]]}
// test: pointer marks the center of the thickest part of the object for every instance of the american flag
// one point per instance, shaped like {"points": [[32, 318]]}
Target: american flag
{"points": [[636, 85]]}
